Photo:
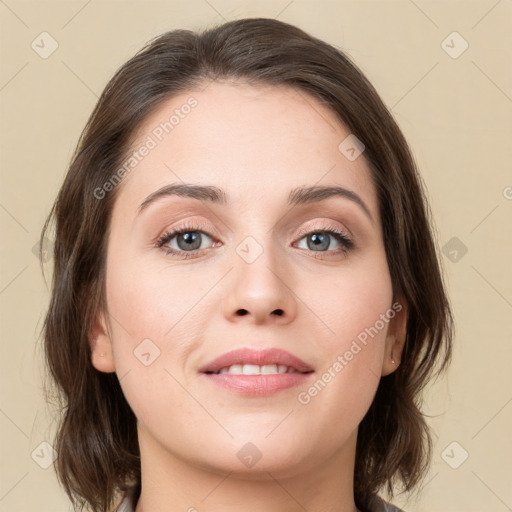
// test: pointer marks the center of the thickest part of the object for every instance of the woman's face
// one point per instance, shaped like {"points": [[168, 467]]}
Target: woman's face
{"points": [[259, 266]]}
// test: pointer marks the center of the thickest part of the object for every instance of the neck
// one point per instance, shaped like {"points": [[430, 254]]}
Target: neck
{"points": [[171, 484]]}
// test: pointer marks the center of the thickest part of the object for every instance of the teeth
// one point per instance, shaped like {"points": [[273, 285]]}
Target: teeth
{"points": [[254, 369]]}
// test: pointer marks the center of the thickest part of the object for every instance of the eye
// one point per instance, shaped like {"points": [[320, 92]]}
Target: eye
{"points": [[321, 240], [184, 240]]}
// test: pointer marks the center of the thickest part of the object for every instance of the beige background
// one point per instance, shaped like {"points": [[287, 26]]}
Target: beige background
{"points": [[456, 113]]}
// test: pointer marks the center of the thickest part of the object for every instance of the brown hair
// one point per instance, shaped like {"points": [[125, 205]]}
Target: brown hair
{"points": [[98, 453]]}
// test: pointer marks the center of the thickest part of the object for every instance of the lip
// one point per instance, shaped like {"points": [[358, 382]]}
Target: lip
{"points": [[257, 385], [259, 357]]}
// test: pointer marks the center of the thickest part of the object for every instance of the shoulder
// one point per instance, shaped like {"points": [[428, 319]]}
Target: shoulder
{"points": [[383, 506], [125, 506], [128, 502]]}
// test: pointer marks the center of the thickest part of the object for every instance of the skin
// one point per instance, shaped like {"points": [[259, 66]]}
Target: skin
{"points": [[256, 143]]}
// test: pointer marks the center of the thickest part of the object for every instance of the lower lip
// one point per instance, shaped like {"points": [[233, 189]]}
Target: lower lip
{"points": [[258, 385]]}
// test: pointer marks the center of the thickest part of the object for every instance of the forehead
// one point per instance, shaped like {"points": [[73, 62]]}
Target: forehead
{"points": [[259, 140]]}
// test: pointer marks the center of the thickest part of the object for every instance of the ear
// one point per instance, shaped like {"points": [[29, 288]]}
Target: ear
{"points": [[102, 357], [395, 338]]}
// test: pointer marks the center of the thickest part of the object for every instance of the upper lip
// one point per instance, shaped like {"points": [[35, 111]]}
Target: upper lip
{"points": [[258, 357]]}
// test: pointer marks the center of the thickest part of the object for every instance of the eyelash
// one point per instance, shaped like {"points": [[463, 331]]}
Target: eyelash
{"points": [[345, 241]]}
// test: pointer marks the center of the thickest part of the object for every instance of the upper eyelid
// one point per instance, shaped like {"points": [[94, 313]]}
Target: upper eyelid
{"points": [[199, 228], [329, 227]]}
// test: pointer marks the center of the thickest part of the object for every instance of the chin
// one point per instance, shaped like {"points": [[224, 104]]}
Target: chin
{"points": [[254, 459]]}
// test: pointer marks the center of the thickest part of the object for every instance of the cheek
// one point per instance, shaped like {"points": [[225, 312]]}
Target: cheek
{"points": [[155, 326], [158, 315], [355, 308], [151, 299], [350, 301]]}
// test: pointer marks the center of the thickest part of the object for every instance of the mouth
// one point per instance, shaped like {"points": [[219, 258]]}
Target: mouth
{"points": [[254, 369], [249, 361], [257, 372]]}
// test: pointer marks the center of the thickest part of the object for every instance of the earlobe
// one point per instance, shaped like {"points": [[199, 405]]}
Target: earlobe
{"points": [[395, 339], [102, 357]]}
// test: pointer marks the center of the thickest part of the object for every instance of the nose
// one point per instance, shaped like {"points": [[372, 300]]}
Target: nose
{"points": [[260, 291]]}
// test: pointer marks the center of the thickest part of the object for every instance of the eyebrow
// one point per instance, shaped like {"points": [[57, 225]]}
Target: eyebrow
{"points": [[201, 192], [297, 196]]}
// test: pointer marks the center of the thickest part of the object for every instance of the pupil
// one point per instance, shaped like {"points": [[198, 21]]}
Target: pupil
{"points": [[191, 240]]}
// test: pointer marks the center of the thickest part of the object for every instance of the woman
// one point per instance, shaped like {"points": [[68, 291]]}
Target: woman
{"points": [[247, 299]]}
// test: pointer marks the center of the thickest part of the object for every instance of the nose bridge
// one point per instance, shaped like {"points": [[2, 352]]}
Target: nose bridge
{"points": [[259, 285]]}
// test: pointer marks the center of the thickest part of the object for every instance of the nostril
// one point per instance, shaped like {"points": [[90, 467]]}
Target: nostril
{"points": [[278, 312]]}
